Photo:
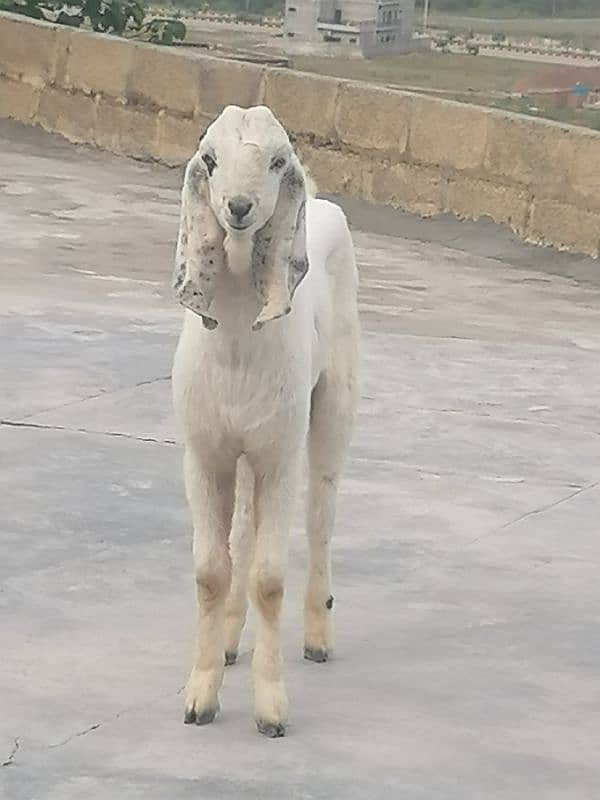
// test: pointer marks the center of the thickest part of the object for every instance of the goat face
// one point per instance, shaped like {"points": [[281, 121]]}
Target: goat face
{"points": [[245, 185], [246, 153]]}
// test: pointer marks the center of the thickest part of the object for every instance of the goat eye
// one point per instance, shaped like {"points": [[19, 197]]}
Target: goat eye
{"points": [[210, 163], [278, 163]]}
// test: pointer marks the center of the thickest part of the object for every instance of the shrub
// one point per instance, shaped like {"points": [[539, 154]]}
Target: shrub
{"points": [[121, 17]]}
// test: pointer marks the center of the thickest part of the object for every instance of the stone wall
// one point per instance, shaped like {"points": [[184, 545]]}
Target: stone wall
{"points": [[410, 151]]}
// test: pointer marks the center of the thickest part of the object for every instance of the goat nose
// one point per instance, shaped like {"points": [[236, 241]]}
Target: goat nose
{"points": [[239, 206]]}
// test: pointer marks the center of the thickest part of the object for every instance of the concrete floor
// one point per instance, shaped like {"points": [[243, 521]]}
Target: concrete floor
{"points": [[467, 550]]}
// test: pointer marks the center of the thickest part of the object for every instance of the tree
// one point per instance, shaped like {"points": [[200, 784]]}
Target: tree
{"points": [[122, 17]]}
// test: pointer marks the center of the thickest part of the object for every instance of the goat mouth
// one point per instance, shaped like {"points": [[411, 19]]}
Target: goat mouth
{"points": [[243, 227]]}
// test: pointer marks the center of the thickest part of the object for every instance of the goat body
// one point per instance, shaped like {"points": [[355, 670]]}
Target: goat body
{"points": [[248, 402]]}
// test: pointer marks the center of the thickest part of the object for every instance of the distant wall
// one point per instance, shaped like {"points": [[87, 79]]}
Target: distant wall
{"points": [[425, 155]]}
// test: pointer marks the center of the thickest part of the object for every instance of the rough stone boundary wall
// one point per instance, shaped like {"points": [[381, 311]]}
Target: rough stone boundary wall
{"points": [[390, 147]]}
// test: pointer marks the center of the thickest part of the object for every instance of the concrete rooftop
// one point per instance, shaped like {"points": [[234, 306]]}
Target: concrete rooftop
{"points": [[467, 551]]}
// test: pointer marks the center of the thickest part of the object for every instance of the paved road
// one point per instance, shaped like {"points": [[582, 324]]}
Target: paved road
{"points": [[467, 550]]}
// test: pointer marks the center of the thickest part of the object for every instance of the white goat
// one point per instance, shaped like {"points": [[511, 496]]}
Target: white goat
{"points": [[250, 392]]}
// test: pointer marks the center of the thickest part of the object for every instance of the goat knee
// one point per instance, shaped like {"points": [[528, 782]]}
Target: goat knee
{"points": [[212, 584], [267, 591]]}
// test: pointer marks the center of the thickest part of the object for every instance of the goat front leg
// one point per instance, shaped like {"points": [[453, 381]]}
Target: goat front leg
{"points": [[274, 492], [210, 492]]}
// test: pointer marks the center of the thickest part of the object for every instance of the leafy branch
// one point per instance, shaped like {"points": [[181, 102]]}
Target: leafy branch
{"points": [[121, 17]]}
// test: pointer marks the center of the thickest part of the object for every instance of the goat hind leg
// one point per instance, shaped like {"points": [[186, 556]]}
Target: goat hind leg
{"points": [[332, 410], [241, 546]]}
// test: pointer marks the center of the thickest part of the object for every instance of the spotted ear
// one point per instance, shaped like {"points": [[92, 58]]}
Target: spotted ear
{"points": [[200, 255], [279, 260]]}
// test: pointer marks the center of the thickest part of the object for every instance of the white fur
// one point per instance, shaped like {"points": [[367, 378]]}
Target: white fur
{"points": [[248, 403]]}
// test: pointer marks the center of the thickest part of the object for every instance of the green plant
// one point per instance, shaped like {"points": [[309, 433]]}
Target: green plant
{"points": [[121, 17], [163, 30]]}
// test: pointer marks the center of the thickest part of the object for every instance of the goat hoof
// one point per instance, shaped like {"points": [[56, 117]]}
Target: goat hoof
{"points": [[316, 654], [230, 658], [272, 730], [193, 717]]}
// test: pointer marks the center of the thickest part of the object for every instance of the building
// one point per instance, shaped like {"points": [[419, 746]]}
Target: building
{"points": [[376, 27]]}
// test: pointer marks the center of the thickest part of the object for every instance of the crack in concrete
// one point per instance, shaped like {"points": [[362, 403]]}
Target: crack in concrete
{"points": [[548, 506], [517, 420], [9, 762], [456, 554], [97, 725], [8, 423], [96, 395], [84, 732], [534, 512], [394, 463]]}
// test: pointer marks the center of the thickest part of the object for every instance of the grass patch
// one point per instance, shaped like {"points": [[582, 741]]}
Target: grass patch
{"points": [[443, 71], [589, 118]]}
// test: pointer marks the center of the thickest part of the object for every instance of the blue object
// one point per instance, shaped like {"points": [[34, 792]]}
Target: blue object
{"points": [[580, 89]]}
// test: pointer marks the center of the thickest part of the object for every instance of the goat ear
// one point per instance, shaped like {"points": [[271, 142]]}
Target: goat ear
{"points": [[279, 259], [200, 255]]}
